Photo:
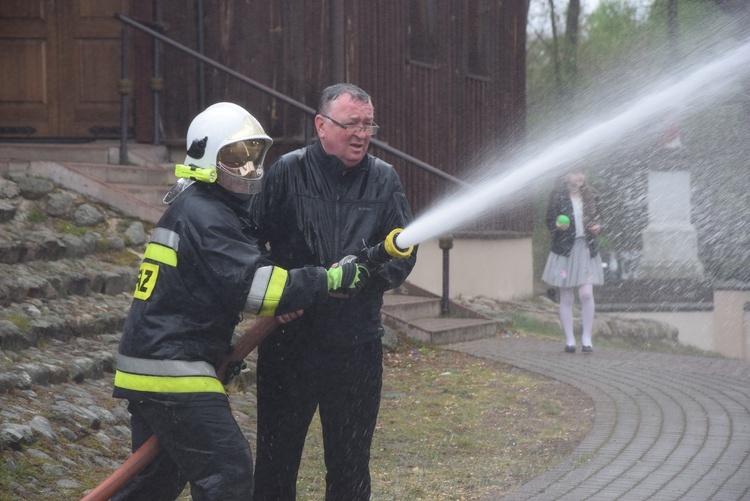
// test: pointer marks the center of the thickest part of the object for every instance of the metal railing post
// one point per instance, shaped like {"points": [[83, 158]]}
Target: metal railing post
{"points": [[125, 88], [446, 244], [157, 82]]}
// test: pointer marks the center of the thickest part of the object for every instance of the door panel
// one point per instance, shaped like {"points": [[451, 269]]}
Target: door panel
{"points": [[90, 68], [60, 68], [28, 47]]}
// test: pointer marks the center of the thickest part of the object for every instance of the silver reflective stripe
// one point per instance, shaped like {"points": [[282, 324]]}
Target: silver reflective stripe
{"points": [[165, 237], [164, 367], [258, 288]]}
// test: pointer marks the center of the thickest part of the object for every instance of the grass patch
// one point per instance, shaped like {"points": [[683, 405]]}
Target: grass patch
{"points": [[124, 257], [452, 426], [67, 228], [36, 215], [524, 323]]}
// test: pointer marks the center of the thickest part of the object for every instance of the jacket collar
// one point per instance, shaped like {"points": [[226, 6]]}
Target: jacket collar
{"points": [[333, 164]]}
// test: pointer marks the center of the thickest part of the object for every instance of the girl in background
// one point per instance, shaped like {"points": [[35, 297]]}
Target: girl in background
{"points": [[574, 219]]}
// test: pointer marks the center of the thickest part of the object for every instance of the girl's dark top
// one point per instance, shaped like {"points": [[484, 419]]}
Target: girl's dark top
{"points": [[560, 203]]}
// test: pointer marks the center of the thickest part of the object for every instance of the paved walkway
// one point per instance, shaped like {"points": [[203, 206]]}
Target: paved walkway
{"points": [[667, 427]]}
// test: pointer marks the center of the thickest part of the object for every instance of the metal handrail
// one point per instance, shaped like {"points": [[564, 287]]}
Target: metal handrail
{"points": [[311, 112]]}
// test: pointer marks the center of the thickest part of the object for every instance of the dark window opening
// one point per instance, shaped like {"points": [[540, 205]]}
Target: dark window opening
{"points": [[478, 37], [423, 31]]}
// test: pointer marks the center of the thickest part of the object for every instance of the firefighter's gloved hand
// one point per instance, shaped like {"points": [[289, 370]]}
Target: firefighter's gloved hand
{"points": [[233, 370], [347, 278]]}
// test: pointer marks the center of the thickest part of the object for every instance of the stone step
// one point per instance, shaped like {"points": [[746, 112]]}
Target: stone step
{"points": [[48, 341], [48, 325], [59, 279]]}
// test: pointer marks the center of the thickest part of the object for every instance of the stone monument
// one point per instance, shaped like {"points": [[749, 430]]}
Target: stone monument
{"points": [[670, 243]]}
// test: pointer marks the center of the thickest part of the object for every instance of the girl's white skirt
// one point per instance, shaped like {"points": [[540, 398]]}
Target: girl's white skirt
{"points": [[577, 269]]}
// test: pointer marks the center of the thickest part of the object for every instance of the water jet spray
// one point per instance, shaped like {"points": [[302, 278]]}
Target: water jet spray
{"points": [[699, 87]]}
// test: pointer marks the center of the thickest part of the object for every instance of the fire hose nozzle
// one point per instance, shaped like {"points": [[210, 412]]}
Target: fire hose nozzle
{"points": [[378, 255], [392, 249]]}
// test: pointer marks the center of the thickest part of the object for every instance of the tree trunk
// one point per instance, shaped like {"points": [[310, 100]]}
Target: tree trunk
{"points": [[570, 61]]}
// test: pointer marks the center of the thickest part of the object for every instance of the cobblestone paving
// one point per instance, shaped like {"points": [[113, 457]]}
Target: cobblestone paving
{"points": [[667, 427]]}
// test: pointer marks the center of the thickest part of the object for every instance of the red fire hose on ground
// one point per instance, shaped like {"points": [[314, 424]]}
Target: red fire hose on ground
{"points": [[262, 327]]}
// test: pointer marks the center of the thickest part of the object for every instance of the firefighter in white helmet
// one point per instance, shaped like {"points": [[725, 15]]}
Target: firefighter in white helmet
{"points": [[201, 270]]}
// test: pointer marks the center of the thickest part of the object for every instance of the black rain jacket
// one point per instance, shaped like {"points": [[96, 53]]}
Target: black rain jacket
{"points": [[314, 211]]}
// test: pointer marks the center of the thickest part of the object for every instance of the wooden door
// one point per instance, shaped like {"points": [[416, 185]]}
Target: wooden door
{"points": [[60, 68], [28, 40]]}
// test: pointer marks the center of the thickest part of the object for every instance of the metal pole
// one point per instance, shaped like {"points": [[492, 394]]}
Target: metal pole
{"points": [[124, 93], [446, 243], [157, 83], [201, 67]]}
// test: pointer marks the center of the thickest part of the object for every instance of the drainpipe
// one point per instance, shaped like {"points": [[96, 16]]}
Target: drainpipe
{"points": [[446, 243]]}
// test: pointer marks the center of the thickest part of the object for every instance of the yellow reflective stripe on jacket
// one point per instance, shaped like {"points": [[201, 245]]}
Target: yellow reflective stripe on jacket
{"points": [[161, 254], [266, 290], [163, 246], [168, 384]]}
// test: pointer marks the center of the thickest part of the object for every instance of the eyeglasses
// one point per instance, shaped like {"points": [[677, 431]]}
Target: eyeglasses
{"points": [[369, 129]]}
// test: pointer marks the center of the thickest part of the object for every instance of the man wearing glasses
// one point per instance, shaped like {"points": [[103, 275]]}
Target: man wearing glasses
{"points": [[319, 204]]}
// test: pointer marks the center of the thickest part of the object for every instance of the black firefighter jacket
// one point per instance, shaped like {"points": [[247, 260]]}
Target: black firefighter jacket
{"points": [[314, 212], [195, 280]]}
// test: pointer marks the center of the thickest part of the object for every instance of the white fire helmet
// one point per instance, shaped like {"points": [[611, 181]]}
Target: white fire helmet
{"points": [[228, 139]]}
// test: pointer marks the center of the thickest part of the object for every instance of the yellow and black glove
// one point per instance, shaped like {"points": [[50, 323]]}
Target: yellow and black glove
{"points": [[347, 278]]}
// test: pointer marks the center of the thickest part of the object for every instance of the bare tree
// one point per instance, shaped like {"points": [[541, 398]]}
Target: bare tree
{"points": [[673, 30], [572, 23], [564, 50], [555, 46]]}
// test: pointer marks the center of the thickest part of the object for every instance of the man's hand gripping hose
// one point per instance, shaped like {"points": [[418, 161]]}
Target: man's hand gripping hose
{"points": [[369, 259], [349, 275]]}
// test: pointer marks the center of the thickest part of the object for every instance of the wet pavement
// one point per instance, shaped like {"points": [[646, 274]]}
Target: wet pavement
{"points": [[667, 427]]}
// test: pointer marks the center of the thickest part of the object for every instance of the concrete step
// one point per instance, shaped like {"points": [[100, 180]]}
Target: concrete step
{"points": [[96, 152], [92, 169], [419, 316], [444, 330], [69, 177], [150, 194], [409, 307], [154, 175]]}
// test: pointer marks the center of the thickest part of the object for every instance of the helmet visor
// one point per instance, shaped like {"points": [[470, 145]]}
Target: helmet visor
{"points": [[241, 158]]}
